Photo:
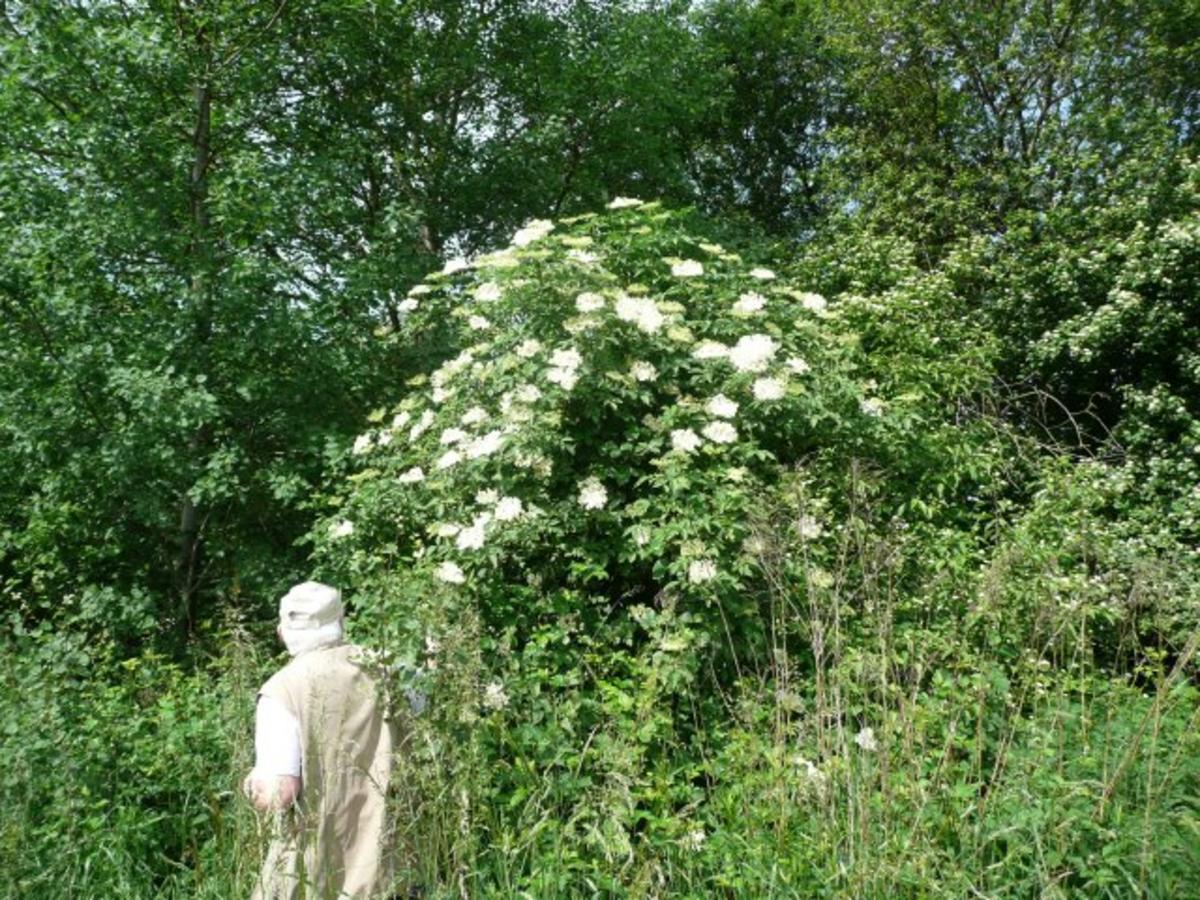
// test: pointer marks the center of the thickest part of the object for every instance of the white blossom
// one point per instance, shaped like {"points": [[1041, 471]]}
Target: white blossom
{"points": [[701, 570], [813, 302], [694, 840], [534, 230], [455, 265], [441, 394], [721, 407], [471, 538], [710, 350], [685, 440], [407, 305], [474, 416], [641, 535], [529, 348], [452, 436], [753, 352], [720, 432], [385, 438], [478, 323], [749, 303], [589, 302], [485, 445], [421, 426], [624, 202], [448, 459], [450, 573], [418, 289], [401, 419], [866, 739], [446, 529], [811, 772], [494, 696], [871, 406], [529, 393], [592, 494], [362, 444], [688, 268], [566, 359], [643, 371], [641, 311], [585, 257], [798, 365], [768, 389], [762, 274], [487, 497], [341, 529], [565, 378], [488, 292], [509, 508], [413, 475], [808, 528]]}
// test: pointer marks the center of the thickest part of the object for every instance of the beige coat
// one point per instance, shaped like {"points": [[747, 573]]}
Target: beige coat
{"points": [[333, 843]]}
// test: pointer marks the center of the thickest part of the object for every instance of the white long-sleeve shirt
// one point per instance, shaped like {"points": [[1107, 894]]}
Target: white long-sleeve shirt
{"points": [[276, 739]]}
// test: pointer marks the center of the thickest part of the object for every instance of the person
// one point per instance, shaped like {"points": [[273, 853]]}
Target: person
{"points": [[324, 739]]}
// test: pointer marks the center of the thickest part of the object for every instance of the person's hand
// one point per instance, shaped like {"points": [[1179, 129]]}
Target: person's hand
{"points": [[271, 793]]}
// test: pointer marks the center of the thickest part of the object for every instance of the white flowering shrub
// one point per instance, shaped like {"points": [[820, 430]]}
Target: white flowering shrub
{"points": [[568, 509], [624, 391]]}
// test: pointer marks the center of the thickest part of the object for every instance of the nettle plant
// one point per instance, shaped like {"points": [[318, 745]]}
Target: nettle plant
{"points": [[579, 477]]}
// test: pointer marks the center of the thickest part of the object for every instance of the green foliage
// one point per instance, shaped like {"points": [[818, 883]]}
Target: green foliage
{"points": [[121, 774], [919, 618]]}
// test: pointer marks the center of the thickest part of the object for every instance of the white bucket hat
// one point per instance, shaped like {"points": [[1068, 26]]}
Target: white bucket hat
{"points": [[310, 616]]}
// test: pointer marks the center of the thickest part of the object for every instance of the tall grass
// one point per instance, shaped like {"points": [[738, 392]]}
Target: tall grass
{"points": [[927, 717]]}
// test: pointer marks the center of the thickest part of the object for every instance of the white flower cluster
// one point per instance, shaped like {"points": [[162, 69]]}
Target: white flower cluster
{"points": [[749, 303], [643, 371], [685, 440], [766, 389], [710, 350], [494, 696], [450, 573], [720, 432], [488, 292], [701, 570], [528, 349], [472, 537], [534, 230], [866, 740], [589, 302], [721, 407], [641, 311], [421, 425], [687, 268], [813, 302], [624, 203], [592, 493], [474, 416], [753, 352], [564, 368]]}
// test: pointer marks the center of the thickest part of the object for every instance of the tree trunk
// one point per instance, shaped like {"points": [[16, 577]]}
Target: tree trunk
{"points": [[201, 312]]}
